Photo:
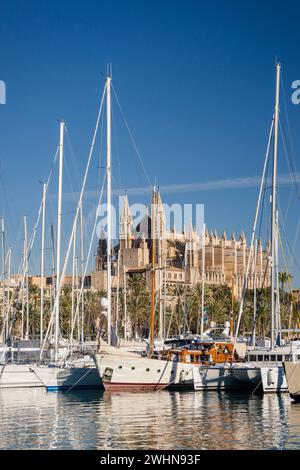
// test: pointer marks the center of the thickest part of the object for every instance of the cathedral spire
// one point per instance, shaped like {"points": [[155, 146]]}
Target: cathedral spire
{"points": [[125, 224]]}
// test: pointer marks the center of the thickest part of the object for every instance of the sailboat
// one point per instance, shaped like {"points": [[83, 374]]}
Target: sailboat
{"points": [[63, 372], [263, 367], [17, 355], [168, 368]]}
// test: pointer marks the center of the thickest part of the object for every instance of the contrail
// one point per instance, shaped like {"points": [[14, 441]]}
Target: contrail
{"points": [[211, 185]]}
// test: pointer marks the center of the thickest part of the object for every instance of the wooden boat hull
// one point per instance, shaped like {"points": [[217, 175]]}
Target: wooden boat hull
{"points": [[122, 372]]}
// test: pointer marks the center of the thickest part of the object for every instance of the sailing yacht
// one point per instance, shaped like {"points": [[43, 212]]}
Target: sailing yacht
{"points": [[64, 372], [263, 367]]}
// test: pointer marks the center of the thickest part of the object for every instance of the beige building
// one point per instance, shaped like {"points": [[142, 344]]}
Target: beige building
{"points": [[178, 256]]}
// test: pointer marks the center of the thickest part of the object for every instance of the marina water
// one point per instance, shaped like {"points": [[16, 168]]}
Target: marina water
{"points": [[35, 419]]}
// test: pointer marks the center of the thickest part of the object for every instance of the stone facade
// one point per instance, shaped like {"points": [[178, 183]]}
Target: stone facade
{"points": [[178, 256]]}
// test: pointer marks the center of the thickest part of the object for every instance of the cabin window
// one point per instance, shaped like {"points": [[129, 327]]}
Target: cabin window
{"points": [[298, 357], [287, 358], [175, 276], [252, 358], [273, 357], [260, 357], [266, 357], [279, 357], [188, 358]]}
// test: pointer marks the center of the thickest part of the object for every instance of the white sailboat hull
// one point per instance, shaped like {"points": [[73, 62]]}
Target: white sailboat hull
{"points": [[18, 376], [218, 377], [267, 378], [292, 374], [64, 378]]}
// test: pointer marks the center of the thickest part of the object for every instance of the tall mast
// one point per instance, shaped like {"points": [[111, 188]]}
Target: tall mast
{"points": [[125, 303], [153, 231], [203, 282], [59, 215], [53, 265], [3, 278], [118, 294], [73, 283], [274, 193], [82, 272], [108, 175], [159, 238], [42, 264], [254, 293], [26, 276]]}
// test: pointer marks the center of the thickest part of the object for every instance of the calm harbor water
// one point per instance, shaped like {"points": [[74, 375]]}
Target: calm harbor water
{"points": [[35, 419]]}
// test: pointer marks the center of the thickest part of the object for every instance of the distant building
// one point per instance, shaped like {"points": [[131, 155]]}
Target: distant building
{"points": [[225, 259]]}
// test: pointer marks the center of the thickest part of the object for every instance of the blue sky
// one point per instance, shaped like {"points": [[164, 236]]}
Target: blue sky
{"points": [[196, 84]]}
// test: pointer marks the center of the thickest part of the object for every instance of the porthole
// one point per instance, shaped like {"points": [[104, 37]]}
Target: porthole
{"points": [[132, 368], [172, 371], [120, 367], [148, 370], [158, 370]]}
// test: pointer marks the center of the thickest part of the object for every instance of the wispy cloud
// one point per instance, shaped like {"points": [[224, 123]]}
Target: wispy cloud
{"points": [[210, 185]]}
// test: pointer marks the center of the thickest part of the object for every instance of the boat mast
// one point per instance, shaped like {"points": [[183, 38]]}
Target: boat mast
{"points": [[59, 216], [153, 231], [203, 282], [73, 284], [3, 279], [53, 265], [42, 265], [161, 313], [26, 276], [273, 220], [125, 303], [254, 293], [108, 176], [118, 295], [82, 271]]}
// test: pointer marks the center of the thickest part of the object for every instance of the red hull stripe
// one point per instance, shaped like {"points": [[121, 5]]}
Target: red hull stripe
{"points": [[132, 386]]}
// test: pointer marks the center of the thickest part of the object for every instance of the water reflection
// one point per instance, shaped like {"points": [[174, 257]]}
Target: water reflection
{"points": [[36, 419]]}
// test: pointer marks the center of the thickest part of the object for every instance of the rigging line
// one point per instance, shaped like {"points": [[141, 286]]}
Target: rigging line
{"points": [[132, 139], [86, 266], [99, 167], [22, 265], [115, 140], [289, 127], [289, 162], [73, 156], [57, 293], [296, 235], [282, 225], [290, 250]]}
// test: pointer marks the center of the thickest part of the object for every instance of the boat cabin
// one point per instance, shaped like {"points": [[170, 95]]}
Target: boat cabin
{"points": [[203, 354]]}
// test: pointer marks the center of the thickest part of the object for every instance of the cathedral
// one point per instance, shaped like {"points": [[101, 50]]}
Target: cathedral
{"points": [[178, 257]]}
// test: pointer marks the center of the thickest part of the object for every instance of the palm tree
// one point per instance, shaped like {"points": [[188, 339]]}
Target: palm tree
{"points": [[284, 277]]}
